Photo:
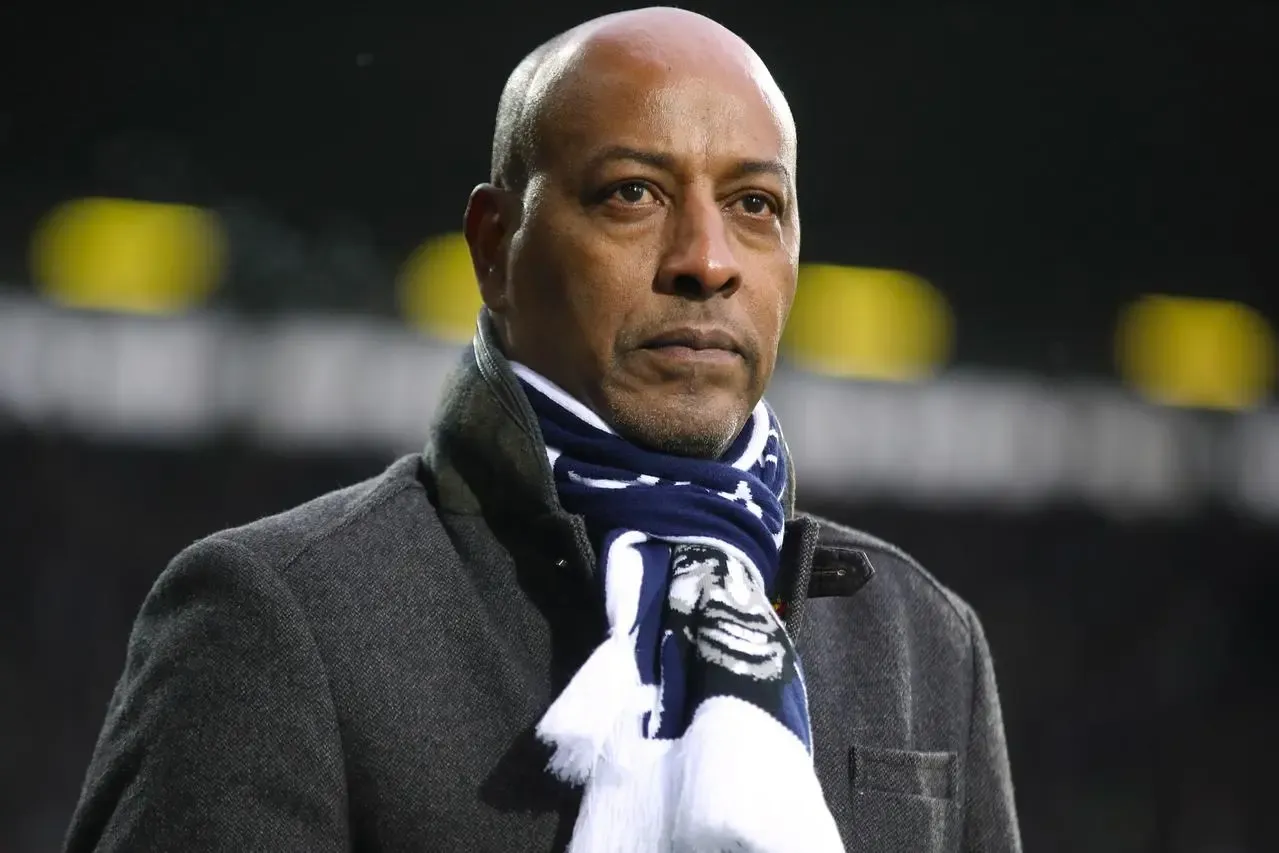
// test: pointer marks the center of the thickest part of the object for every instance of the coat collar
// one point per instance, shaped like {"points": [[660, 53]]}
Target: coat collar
{"points": [[486, 449]]}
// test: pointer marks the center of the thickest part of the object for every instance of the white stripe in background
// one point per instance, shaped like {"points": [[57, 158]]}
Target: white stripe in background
{"points": [[357, 384]]}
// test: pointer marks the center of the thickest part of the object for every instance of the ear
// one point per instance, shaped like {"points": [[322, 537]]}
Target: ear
{"points": [[491, 217]]}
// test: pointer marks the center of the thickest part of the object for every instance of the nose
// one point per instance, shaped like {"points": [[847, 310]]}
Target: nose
{"points": [[699, 262]]}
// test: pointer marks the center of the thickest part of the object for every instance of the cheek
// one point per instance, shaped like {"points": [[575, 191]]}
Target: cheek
{"points": [[582, 289], [784, 304], [773, 307], [543, 275], [609, 291]]}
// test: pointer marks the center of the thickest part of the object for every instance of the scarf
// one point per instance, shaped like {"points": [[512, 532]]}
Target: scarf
{"points": [[688, 726]]}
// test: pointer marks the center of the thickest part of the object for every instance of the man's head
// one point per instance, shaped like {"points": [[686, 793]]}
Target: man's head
{"points": [[639, 242]]}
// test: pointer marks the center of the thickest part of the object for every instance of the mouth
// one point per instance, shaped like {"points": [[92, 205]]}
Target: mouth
{"points": [[751, 618], [693, 343], [759, 657]]}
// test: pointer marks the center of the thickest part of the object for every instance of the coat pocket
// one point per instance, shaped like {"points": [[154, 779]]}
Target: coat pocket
{"points": [[902, 799]]}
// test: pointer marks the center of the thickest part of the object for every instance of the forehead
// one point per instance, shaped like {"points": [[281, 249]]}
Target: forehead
{"points": [[699, 106]]}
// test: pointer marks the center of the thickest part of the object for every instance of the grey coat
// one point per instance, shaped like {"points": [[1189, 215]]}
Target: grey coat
{"points": [[364, 672]]}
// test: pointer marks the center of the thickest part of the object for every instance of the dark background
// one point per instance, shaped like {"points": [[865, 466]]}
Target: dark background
{"points": [[1041, 164]]}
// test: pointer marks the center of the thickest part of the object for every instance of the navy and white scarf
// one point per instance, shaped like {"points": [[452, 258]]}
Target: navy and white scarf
{"points": [[689, 725]]}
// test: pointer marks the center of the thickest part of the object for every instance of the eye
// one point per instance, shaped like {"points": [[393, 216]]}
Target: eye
{"points": [[632, 192], [758, 204]]}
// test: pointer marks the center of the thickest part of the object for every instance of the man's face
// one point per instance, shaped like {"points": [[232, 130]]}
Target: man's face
{"points": [[655, 260]]}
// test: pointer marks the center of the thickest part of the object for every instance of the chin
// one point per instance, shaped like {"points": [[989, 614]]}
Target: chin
{"points": [[682, 426]]}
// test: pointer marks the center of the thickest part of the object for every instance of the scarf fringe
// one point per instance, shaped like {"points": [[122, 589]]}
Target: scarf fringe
{"points": [[602, 703], [706, 793], [628, 809], [729, 802]]}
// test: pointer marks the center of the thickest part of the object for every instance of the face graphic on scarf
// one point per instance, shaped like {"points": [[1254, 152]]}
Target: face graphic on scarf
{"points": [[724, 615]]}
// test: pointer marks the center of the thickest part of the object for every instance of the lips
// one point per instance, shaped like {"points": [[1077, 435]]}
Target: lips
{"points": [[697, 338]]}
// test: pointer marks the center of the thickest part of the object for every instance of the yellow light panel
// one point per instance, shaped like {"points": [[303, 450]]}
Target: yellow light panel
{"points": [[1201, 353], [867, 323], [128, 256], [438, 291]]}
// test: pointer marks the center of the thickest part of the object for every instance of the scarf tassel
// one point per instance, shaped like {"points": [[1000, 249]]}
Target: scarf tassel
{"points": [[598, 714], [728, 801]]}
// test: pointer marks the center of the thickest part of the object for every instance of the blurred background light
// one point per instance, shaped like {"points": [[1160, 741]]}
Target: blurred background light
{"points": [[438, 291], [1201, 353], [865, 323], [129, 256]]}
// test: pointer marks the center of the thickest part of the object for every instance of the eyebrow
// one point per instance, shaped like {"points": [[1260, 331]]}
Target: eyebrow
{"points": [[667, 162]]}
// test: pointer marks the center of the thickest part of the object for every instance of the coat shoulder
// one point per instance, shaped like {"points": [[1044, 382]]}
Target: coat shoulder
{"points": [[900, 577], [359, 513]]}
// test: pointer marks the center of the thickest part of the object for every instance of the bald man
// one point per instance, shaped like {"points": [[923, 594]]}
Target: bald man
{"points": [[588, 616]]}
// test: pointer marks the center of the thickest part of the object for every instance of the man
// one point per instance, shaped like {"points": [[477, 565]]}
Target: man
{"points": [[588, 617]]}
